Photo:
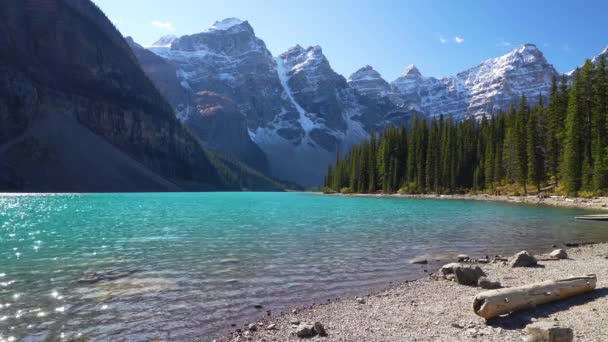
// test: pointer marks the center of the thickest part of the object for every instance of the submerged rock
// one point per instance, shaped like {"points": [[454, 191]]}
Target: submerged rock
{"points": [[559, 254], [419, 260], [94, 277], [523, 259]]}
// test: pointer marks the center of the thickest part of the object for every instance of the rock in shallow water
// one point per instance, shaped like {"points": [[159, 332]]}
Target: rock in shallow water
{"points": [[523, 259], [94, 277], [419, 260], [462, 257]]}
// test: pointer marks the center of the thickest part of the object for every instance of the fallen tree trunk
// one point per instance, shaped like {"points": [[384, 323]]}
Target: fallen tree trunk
{"points": [[493, 303]]}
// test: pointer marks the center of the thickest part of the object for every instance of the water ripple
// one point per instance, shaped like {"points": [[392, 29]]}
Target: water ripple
{"points": [[203, 261]]}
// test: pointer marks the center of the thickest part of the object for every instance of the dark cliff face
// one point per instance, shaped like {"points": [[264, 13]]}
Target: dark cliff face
{"points": [[78, 114], [213, 119], [220, 126]]}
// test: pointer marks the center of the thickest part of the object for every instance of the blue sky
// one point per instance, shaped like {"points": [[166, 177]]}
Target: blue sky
{"points": [[439, 37]]}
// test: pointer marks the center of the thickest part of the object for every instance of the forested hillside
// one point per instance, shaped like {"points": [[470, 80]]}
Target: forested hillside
{"points": [[561, 144]]}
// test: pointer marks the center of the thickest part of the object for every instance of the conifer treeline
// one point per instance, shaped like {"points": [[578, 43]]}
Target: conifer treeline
{"points": [[563, 142]]}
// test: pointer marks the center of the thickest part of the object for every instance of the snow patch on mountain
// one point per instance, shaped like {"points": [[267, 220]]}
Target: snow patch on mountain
{"points": [[164, 42], [304, 120], [225, 24]]}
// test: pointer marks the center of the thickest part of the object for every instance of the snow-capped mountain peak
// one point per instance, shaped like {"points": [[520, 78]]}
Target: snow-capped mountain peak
{"points": [[226, 24], [481, 90], [597, 57], [367, 81], [411, 71], [164, 41]]}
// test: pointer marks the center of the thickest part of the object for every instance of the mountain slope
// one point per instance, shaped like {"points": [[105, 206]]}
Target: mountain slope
{"points": [[295, 108], [78, 114], [213, 119]]}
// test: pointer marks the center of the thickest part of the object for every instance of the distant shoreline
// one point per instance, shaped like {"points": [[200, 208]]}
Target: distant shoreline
{"points": [[597, 203]]}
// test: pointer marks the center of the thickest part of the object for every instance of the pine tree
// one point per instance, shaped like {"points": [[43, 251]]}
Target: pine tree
{"points": [[599, 130], [574, 144], [521, 157], [586, 110], [535, 146]]}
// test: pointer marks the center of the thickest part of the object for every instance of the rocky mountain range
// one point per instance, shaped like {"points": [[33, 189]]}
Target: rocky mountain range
{"points": [[300, 112], [147, 118], [78, 114]]}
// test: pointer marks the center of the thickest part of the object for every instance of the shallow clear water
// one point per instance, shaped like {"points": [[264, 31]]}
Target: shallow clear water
{"points": [[205, 260]]}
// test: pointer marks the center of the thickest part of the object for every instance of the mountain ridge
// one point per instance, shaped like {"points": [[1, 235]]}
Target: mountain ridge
{"points": [[302, 112]]}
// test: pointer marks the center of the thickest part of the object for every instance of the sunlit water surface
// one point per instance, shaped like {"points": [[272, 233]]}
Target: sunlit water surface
{"points": [[206, 260]]}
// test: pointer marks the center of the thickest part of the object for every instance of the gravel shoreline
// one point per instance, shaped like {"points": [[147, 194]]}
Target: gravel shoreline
{"points": [[596, 203], [434, 309]]}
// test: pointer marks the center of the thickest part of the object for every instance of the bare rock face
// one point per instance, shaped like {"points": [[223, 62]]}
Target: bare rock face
{"points": [[220, 126], [78, 114], [523, 259], [368, 82]]}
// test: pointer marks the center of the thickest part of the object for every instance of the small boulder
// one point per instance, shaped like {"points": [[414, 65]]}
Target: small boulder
{"points": [[252, 327], [305, 330], [271, 327], [320, 329], [466, 275], [523, 259], [483, 260], [548, 332], [360, 300], [449, 268], [488, 284], [419, 261], [462, 257], [559, 254]]}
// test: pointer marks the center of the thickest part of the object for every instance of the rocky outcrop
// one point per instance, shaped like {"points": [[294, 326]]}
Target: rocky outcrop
{"points": [[78, 114]]}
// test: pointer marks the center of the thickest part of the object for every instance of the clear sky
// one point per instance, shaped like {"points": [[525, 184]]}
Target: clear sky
{"points": [[440, 37]]}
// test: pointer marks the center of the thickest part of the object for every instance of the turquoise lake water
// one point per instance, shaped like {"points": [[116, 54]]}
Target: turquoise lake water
{"points": [[203, 261]]}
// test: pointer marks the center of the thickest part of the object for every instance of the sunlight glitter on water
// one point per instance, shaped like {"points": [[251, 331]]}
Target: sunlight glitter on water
{"points": [[194, 263]]}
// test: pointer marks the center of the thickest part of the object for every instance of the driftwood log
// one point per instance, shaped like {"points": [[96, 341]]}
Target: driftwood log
{"points": [[493, 303]]}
